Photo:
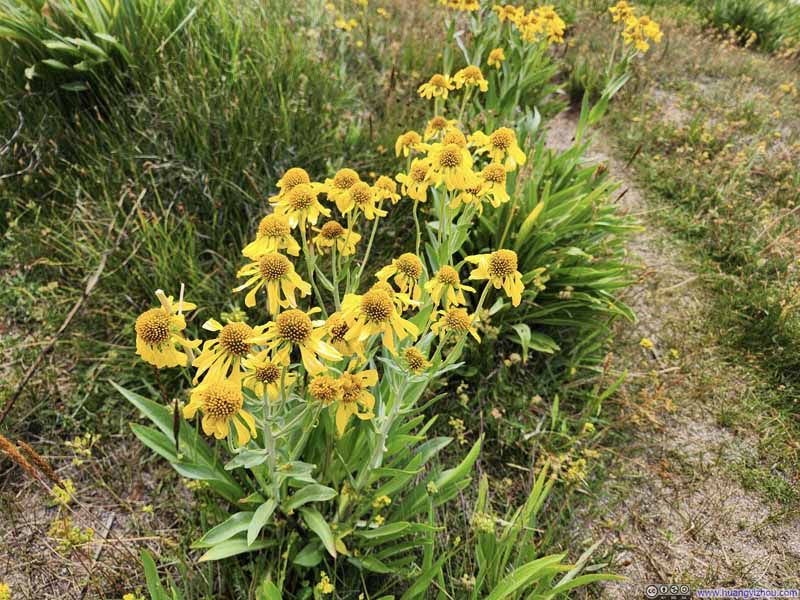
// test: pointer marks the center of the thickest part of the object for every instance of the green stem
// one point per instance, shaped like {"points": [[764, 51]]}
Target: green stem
{"points": [[334, 259], [308, 253], [416, 225], [369, 246]]}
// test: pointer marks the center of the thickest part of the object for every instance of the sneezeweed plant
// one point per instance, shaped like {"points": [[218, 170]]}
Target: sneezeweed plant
{"points": [[636, 33], [315, 400]]}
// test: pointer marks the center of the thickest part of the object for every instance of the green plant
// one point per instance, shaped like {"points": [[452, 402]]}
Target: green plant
{"points": [[766, 24]]}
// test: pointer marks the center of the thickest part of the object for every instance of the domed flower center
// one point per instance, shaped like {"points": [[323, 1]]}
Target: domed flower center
{"points": [[377, 305], [301, 197], [294, 177], [232, 338], [502, 263], [361, 193], [351, 388], [273, 226], [221, 399], [414, 358], [294, 326], [385, 183], [337, 328], [273, 266], [268, 373], [454, 136], [438, 123], [450, 156], [502, 139], [332, 230], [419, 172], [438, 80], [345, 179], [324, 388], [153, 326], [409, 265], [384, 286], [494, 173], [410, 138], [448, 276], [472, 73], [457, 319]]}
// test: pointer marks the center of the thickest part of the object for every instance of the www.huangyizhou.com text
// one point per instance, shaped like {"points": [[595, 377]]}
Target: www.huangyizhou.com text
{"points": [[748, 593]]}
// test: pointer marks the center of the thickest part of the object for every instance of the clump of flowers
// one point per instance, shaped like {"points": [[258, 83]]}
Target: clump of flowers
{"points": [[636, 31]]}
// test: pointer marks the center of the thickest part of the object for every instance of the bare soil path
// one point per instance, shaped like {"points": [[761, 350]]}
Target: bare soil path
{"points": [[674, 507]]}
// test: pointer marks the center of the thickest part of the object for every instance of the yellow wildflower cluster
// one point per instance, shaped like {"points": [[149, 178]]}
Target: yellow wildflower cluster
{"points": [[636, 31], [541, 23], [68, 536], [462, 5]]}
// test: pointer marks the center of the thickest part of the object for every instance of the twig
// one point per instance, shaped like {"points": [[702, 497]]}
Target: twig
{"points": [[90, 285], [109, 524]]}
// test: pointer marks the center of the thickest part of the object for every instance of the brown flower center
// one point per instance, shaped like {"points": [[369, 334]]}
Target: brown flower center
{"points": [[361, 193], [345, 179], [301, 197], [448, 275], [324, 388], [221, 399], [294, 326], [377, 305], [502, 263], [273, 226], [294, 177], [450, 156], [409, 265], [152, 326], [268, 373], [454, 136], [502, 139], [419, 172], [457, 319], [232, 338], [274, 266], [331, 230]]}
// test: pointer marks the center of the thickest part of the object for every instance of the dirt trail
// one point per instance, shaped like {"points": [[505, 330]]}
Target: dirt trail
{"points": [[673, 509]]}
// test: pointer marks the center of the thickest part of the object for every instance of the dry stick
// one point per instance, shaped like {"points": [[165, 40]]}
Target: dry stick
{"points": [[90, 285], [109, 525]]}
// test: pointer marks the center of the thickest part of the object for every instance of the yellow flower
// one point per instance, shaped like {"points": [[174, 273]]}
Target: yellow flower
{"points": [[345, 25], [375, 313], [445, 288], [325, 586], [291, 178], [501, 146], [500, 268], [401, 301], [507, 12], [221, 402], [295, 328], [494, 177], [471, 195], [333, 233], [452, 165], [464, 5], [224, 353], [354, 396], [336, 328], [496, 57], [263, 375], [338, 188], [276, 273], [638, 31], [274, 234], [621, 11], [406, 142], [436, 126], [415, 184], [382, 12], [5, 592], [553, 24], [325, 389], [436, 86], [386, 189], [455, 321], [300, 204], [453, 135], [363, 197], [159, 333], [415, 360], [471, 76], [407, 269]]}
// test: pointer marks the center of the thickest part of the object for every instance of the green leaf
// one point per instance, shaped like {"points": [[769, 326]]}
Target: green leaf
{"points": [[268, 591], [310, 493], [309, 556], [154, 587], [260, 518], [524, 576], [227, 529], [155, 440], [232, 548], [423, 580], [370, 563], [316, 523]]}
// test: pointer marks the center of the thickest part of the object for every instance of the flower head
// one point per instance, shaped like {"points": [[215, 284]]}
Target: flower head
{"points": [[437, 126], [362, 197], [501, 146], [437, 86], [159, 333], [354, 397], [500, 268], [496, 58], [621, 11], [222, 356], [300, 204], [452, 165], [337, 327], [292, 178], [375, 313], [332, 233], [294, 328], [494, 178], [274, 234], [455, 321], [508, 12], [445, 288], [386, 189], [265, 375], [416, 182], [470, 76], [325, 389], [221, 402], [407, 270], [415, 360], [276, 274], [407, 142], [338, 188]]}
